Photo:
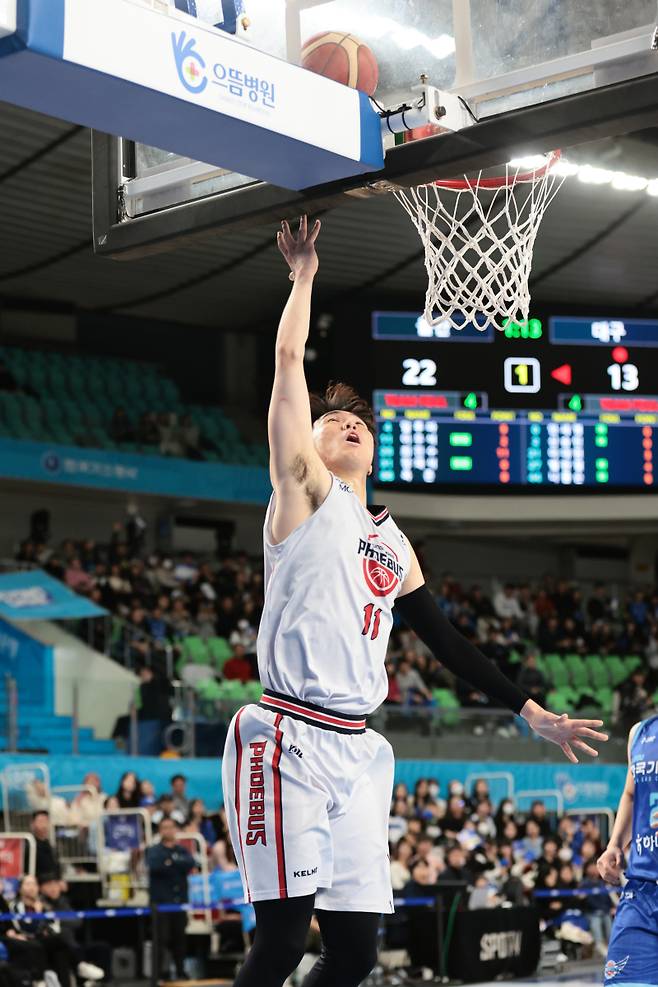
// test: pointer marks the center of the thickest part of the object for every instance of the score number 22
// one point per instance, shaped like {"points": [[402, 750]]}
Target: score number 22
{"points": [[419, 373]]}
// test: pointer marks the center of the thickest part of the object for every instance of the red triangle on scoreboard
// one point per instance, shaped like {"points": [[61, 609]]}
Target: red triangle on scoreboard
{"points": [[563, 374]]}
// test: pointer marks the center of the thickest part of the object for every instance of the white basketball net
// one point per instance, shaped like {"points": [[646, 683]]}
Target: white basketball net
{"points": [[479, 235]]}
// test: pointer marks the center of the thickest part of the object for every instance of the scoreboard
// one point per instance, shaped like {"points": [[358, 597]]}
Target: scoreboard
{"points": [[558, 404]]}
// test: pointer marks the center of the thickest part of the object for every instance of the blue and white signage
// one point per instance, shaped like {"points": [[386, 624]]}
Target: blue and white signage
{"points": [[109, 470], [34, 595], [167, 80]]}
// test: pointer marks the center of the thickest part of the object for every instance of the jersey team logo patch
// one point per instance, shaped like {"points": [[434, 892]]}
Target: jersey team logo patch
{"points": [[381, 568], [612, 968]]}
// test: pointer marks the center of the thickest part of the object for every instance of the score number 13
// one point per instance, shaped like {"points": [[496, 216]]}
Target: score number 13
{"points": [[624, 377]]}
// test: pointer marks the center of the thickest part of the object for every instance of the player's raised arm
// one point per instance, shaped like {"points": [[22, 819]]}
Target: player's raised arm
{"points": [[418, 607], [296, 469]]}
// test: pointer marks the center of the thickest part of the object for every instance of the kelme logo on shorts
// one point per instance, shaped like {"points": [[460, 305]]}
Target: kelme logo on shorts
{"points": [[305, 873]]}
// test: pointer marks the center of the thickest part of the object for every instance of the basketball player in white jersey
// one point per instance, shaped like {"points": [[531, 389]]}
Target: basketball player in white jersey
{"points": [[307, 787]]}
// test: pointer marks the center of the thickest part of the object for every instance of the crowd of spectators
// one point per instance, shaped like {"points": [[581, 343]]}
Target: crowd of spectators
{"points": [[440, 840], [165, 598], [501, 856], [516, 623], [162, 599], [55, 948]]}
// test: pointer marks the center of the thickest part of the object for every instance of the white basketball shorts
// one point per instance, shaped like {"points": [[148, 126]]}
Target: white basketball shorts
{"points": [[307, 793]]}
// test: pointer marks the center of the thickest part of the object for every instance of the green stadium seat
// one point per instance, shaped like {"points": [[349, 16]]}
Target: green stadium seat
{"points": [[253, 691], [558, 673], [210, 690], [604, 699], [597, 671], [632, 662], [577, 671], [220, 651], [232, 690], [194, 649], [616, 670], [560, 700]]}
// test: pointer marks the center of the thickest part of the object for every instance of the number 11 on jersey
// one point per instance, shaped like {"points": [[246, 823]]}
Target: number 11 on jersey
{"points": [[371, 617]]}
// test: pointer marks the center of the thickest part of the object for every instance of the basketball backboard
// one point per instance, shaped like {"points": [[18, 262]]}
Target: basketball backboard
{"points": [[535, 75]]}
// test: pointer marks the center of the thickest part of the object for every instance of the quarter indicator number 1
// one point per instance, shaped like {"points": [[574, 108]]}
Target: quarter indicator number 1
{"points": [[522, 375]]}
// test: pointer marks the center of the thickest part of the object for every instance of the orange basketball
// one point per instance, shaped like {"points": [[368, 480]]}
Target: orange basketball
{"points": [[343, 58]]}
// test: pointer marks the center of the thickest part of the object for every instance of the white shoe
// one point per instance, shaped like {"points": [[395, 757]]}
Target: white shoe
{"points": [[51, 979], [87, 971]]}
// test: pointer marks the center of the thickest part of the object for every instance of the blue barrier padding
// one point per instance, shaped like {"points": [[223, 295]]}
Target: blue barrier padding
{"points": [[170, 93], [572, 893], [234, 903], [414, 902]]}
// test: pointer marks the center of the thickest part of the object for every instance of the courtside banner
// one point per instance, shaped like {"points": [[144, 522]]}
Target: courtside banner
{"points": [[150, 73]]}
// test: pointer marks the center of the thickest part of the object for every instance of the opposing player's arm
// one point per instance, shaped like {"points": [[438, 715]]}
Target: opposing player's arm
{"points": [[417, 606], [611, 861], [298, 474]]}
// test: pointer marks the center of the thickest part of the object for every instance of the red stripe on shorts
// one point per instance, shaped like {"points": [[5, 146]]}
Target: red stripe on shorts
{"points": [[278, 809], [238, 769]]}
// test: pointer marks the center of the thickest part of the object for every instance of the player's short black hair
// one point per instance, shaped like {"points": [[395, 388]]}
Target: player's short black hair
{"points": [[342, 397]]}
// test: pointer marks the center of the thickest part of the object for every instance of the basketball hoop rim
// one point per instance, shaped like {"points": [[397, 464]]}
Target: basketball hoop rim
{"points": [[504, 181]]}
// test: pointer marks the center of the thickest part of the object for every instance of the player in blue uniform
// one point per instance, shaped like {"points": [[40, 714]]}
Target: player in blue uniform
{"points": [[633, 950]]}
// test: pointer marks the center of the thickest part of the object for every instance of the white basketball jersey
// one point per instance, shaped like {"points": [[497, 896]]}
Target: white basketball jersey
{"points": [[330, 587]]}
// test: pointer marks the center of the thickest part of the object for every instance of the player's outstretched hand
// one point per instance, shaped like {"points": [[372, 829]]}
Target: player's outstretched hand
{"points": [[610, 865], [566, 733], [299, 250]]}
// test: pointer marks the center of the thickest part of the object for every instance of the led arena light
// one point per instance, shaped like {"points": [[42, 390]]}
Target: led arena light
{"points": [[590, 174]]}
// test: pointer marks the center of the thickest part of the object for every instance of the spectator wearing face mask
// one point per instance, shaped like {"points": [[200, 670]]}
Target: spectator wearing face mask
{"points": [[504, 813]]}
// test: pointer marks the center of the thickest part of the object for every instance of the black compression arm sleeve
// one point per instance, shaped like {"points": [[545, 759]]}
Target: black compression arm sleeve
{"points": [[421, 612]]}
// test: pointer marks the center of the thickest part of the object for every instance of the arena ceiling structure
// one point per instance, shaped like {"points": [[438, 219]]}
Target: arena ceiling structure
{"points": [[597, 247]]}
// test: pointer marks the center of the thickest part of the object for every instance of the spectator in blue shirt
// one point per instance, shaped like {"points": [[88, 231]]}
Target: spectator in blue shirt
{"points": [[169, 866]]}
